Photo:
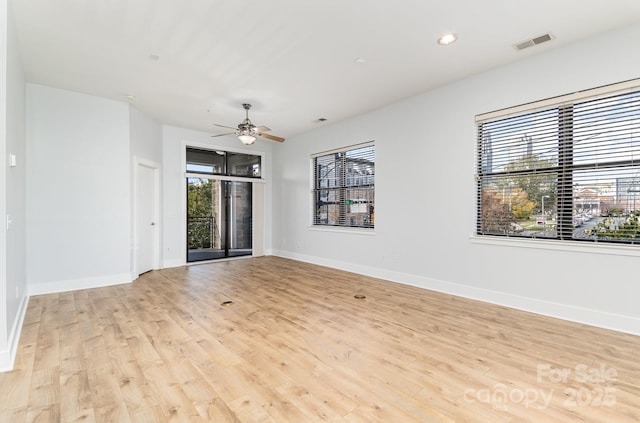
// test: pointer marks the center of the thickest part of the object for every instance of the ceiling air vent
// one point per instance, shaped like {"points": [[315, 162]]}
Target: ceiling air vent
{"points": [[533, 41]]}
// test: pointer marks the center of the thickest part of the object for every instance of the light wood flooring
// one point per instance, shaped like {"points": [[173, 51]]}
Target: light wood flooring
{"points": [[296, 346]]}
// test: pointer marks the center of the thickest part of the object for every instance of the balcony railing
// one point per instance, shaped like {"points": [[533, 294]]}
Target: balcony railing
{"points": [[202, 232]]}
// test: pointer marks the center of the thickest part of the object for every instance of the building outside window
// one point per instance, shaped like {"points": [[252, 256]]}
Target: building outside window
{"points": [[344, 187], [566, 168]]}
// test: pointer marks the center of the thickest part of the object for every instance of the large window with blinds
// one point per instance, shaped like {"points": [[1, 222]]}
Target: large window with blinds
{"points": [[566, 168], [344, 187]]}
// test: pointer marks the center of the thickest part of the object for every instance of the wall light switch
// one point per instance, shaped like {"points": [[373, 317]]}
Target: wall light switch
{"points": [[12, 160]]}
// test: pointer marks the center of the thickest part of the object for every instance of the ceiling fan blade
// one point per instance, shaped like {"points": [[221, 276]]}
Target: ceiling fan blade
{"points": [[223, 126], [222, 135], [270, 137], [263, 128]]}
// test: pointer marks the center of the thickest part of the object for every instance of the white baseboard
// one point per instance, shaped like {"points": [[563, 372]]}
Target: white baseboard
{"points": [[77, 284], [602, 319], [8, 356], [172, 263]]}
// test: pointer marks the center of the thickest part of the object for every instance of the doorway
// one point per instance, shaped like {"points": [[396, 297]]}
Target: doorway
{"points": [[219, 219], [147, 216]]}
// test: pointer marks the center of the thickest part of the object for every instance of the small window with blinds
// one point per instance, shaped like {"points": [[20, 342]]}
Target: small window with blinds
{"points": [[344, 187], [566, 168]]}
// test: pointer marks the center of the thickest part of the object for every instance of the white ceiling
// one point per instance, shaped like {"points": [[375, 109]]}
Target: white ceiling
{"points": [[294, 60]]}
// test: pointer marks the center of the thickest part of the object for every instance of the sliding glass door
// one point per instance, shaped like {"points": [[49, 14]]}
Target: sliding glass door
{"points": [[219, 219]]}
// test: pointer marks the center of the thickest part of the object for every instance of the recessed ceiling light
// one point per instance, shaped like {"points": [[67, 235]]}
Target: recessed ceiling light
{"points": [[154, 57], [360, 60], [130, 97], [448, 38]]}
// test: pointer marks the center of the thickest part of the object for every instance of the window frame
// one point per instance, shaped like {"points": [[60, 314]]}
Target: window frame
{"points": [[227, 165], [565, 168], [342, 187]]}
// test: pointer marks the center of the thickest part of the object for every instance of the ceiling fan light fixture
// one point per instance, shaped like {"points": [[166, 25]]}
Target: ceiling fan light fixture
{"points": [[247, 132], [247, 139]]}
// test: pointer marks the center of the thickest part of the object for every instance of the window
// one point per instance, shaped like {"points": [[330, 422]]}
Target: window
{"points": [[343, 187], [566, 168], [223, 163]]}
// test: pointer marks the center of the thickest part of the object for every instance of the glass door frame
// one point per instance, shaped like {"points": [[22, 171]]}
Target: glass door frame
{"points": [[259, 195], [257, 213]]}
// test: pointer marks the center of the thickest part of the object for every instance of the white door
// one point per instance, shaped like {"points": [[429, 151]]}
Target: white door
{"points": [[147, 219]]}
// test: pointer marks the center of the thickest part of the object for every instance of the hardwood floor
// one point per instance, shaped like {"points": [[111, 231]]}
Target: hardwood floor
{"points": [[296, 346]]}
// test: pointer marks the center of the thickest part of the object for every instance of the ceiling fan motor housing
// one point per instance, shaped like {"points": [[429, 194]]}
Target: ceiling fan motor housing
{"points": [[246, 127]]}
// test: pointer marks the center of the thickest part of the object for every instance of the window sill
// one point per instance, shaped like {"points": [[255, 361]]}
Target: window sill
{"points": [[582, 247], [344, 230]]}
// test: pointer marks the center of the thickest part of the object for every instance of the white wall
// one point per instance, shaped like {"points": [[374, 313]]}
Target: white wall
{"points": [[174, 184], [78, 190], [146, 136], [12, 194], [3, 181], [425, 195]]}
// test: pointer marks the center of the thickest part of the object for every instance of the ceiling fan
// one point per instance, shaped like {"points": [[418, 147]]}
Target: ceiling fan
{"points": [[247, 131]]}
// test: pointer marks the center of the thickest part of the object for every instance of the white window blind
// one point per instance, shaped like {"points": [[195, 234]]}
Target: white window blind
{"points": [[344, 187], [569, 170]]}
